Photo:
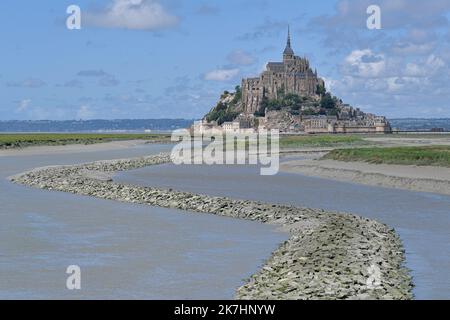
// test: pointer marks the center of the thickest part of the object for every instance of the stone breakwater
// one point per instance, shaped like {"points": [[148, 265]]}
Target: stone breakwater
{"points": [[328, 256]]}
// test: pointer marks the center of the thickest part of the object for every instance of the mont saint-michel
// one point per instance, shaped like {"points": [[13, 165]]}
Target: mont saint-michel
{"points": [[290, 191], [291, 97]]}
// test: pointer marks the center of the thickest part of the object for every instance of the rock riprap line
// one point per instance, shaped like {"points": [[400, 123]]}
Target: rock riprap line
{"points": [[328, 256]]}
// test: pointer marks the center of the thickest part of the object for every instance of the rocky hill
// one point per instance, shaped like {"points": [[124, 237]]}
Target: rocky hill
{"points": [[230, 106], [227, 108]]}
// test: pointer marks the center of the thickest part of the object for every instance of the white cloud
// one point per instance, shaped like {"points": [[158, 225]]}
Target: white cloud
{"points": [[23, 105], [132, 14], [434, 63], [221, 74], [364, 63], [429, 67], [393, 86], [240, 57], [84, 113]]}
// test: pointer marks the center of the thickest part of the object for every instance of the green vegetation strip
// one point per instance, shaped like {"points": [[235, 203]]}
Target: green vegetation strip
{"points": [[421, 156], [320, 141], [8, 141]]}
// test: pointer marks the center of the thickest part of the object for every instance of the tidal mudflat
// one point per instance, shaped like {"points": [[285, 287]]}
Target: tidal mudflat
{"points": [[329, 255], [421, 219], [124, 250]]}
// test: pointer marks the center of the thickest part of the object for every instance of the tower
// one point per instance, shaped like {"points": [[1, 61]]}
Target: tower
{"points": [[288, 53]]}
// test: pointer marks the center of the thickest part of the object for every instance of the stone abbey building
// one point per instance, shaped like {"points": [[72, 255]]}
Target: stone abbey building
{"points": [[293, 75], [241, 111]]}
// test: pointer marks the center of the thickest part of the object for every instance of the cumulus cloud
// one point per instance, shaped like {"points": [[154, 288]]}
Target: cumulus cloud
{"points": [[23, 105], [132, 14], [431, 66], [393, 86], [364, 63], [221, 74], [240, 57], [401, 70]]}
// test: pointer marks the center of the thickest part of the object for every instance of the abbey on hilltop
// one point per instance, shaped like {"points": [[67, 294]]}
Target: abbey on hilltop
{"points": [[292, 76], [291, 97]]}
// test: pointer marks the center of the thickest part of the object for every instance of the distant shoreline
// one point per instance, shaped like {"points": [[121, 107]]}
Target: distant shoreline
{"points": [[20, 141], [94, 126], [167, 125]]}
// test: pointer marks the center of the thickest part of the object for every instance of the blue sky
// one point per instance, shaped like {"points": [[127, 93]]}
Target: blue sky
{"points": [[173, 58]]}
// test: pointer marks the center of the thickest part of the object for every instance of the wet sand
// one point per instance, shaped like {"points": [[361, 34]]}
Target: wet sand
{"points": [[416, 178], [421, 218], [328, 254], [71, 148]]}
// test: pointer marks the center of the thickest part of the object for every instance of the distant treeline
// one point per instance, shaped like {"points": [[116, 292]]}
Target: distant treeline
{"points": [[420, 124], [134, 125]]}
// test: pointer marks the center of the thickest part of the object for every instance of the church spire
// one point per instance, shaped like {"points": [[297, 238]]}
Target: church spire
{"points": [[289, 36], [288, 50]]}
